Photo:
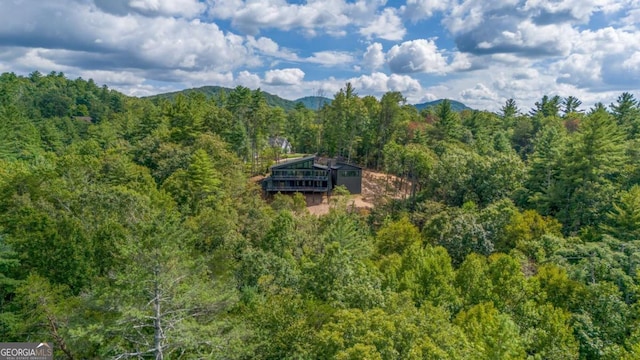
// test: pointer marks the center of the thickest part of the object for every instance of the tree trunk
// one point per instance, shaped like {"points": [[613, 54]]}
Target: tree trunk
{"points": [[158, 335]]}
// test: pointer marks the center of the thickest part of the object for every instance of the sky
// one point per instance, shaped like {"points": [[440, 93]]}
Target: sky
{"points": [[479, 52]]}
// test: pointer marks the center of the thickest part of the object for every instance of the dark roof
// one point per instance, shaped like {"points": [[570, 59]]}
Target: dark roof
{"points": [[342, 165], [294, 161]]}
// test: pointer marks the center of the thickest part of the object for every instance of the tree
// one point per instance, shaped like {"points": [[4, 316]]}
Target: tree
{"points": [[627, 113], [509, 110], [547, 332], [493, 335], [526, 231], [460, 231], [427, 274], [448, 124], [624, 219], [545, 165], [10, 280], [547, 107], [343, 123], [594, 160], [386, 123], [571, 104], [167, 302], [48, 310], [396, 237]]}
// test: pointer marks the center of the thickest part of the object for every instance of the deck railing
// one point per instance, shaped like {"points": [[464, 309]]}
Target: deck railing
{"points": [[288, 188]]}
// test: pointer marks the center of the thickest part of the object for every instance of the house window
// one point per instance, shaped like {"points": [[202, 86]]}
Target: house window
{"points": [[349, 173]]}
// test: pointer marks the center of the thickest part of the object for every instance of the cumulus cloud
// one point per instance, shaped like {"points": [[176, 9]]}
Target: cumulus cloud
{"points": [[292, 76], [373, 57], [201, 78], [329, 58], [416, 56], [387, 25], [247, 79], [252, 16], [632, 63], [379, 83], [547, 11], [115, 78], [461, 62], [600, 59], [312, 17], [531, 28], [578, 69], [186, 8], [267, 46], [523, 37], [106, 40], [423, 9], [479, 92], [503, 49]]}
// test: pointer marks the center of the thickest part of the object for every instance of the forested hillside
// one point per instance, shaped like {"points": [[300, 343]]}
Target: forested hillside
{"points": [[129, 228]]}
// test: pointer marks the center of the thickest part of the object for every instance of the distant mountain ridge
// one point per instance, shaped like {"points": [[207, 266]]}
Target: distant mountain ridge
{"points": [[310, 102], [455, 105]]}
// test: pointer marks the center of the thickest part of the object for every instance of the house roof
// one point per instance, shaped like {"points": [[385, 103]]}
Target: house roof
{"points": [[293, 161], [343, 166]]}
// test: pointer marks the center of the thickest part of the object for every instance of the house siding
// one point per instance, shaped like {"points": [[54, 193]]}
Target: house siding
{"points": [[305, 175]]}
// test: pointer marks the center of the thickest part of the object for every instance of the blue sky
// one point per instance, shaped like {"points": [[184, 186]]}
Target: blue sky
{"points": [[475, 51]]}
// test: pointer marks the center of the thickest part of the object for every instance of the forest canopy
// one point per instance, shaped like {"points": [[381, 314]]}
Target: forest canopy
{"points": [[131, 228]]}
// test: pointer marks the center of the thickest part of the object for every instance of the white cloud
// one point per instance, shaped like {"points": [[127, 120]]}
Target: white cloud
{"points": [[479, 92], [107, 40], [263, 44], [403, 83], [373, 58], [38, 58], [423, 9], [503, 49], [267, 46], [312, 17], [416, 56], [223, 9], [252, 16], [632, 63], [600, 58], [114, 78], [247, 79], [168, 8], [579, 69], [387, 25], [187, 8], [291, 76], [460, 62], [202, 78], [379, 83], [329, 58], [569, 10]]}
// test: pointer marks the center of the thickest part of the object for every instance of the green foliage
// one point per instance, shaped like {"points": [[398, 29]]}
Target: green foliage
{"points": [[624, 219], [397, 237], [130, 228], [493, 335]]}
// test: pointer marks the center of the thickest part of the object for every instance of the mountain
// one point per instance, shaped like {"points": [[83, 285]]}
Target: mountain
{"points": [[210, 91], [455, 105], [310, 102], [313, 102]]}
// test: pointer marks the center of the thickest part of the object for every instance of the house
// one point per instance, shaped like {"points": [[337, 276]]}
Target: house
{"points": [[348, 175], [306, 175], [280, 143]]}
